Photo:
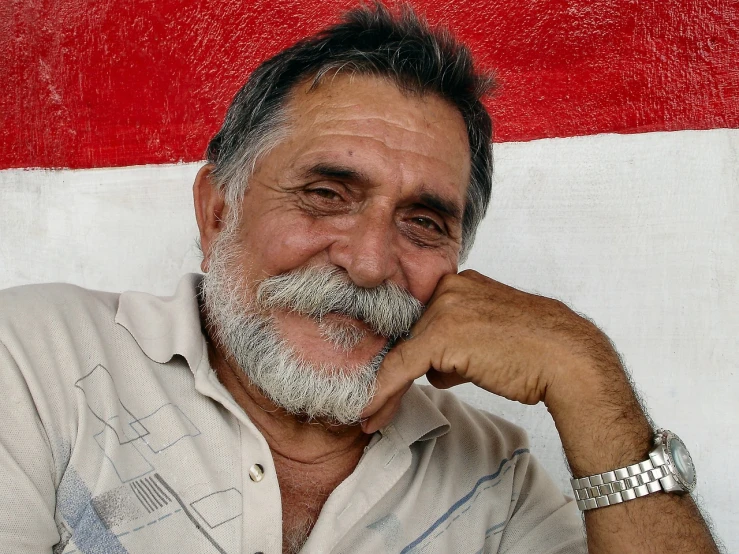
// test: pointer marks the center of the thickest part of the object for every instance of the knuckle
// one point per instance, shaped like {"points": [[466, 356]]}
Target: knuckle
{"points": [[559, 308], [446, 300], [447, 282], [470, 273], [399, 352]]}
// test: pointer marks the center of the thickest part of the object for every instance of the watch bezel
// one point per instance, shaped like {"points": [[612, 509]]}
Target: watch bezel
{"points": [[664, 437]]}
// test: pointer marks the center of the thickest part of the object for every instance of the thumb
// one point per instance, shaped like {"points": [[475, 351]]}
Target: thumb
{"points": [[402, 365]]}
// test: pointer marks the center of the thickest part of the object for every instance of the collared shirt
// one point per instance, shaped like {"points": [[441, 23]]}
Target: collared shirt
{"points": [[117, 437]]}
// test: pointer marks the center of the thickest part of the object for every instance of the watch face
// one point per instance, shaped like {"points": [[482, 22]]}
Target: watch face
{"points": [[682, 461]]}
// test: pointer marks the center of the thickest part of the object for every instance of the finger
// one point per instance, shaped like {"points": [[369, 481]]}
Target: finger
{"points": [[476, 276], [407, 361], [459, 284], [419, 327]]}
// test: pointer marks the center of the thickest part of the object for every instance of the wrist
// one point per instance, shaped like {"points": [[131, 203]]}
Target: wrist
{"points": [[669, 468]]}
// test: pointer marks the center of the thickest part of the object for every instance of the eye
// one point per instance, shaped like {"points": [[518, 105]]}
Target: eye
{"points": [[427, 223], [323, 199], [324, 193]]}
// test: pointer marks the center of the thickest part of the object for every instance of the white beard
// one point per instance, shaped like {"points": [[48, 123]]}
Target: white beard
{"points": [[333, 393]]}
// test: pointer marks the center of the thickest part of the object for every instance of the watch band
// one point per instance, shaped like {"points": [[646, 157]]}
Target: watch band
{"points": [[626, 483]]}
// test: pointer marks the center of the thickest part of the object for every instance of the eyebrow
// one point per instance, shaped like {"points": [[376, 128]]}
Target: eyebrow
{"points": [[331, 171], [444, 206]]}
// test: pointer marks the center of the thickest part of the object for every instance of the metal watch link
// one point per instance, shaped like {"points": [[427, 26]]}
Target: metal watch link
{"points": [[669, 468]]}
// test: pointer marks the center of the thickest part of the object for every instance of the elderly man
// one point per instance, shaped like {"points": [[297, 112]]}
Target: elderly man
{"points": [[269, 406]]}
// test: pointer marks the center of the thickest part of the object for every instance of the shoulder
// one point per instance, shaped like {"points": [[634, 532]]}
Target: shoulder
{"points": [[44, 302], [53, 313], [51, 330]]}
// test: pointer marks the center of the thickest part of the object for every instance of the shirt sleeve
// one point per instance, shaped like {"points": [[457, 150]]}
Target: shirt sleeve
{"points": [[27, 490], [542, 519]]}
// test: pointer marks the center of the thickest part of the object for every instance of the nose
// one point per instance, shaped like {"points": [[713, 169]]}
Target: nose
{"points": [[367, 250]]}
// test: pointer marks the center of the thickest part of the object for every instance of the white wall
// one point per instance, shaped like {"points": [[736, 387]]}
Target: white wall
{"points": [[639, 232]]}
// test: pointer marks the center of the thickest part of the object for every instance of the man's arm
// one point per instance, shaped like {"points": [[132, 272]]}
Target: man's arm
{"points": [[27, 493], [530, 349]]}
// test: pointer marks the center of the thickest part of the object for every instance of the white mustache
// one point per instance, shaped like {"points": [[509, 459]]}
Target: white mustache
{"points": [[389, 310]]}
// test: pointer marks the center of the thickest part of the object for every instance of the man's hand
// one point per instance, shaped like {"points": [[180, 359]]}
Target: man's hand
{"points": [[508, 342], [530, 349]]}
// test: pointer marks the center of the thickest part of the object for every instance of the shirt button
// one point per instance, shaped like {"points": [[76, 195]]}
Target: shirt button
{"points": [[256, 473]]}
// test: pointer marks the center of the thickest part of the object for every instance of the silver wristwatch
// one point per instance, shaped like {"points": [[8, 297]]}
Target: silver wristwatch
{"points": [[669, 468]]}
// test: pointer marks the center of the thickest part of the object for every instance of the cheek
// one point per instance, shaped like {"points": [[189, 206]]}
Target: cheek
{"points": [[280, 246], [423, 272]]}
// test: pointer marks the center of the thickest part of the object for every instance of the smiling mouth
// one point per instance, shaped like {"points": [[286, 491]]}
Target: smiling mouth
{"points": [[343, 332]]}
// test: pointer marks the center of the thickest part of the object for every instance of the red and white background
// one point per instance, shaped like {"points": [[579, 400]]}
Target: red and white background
{"points": [[616, 186]]}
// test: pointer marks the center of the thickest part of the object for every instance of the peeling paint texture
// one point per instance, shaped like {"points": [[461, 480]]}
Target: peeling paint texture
{"points": [[110, 83]]}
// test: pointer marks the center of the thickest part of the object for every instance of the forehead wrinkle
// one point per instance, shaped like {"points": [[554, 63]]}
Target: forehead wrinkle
{"points": [[312, 116], [376, 126], [406, 147], [331, 96]]}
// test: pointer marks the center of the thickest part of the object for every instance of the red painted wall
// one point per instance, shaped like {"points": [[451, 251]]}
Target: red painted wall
{"points": [[125, 82]]}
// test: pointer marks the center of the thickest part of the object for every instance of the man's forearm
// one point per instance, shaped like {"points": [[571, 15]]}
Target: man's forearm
{"points": [[603, 427]]}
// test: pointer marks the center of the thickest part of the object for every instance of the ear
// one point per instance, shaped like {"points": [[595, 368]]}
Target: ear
{"points": [[210, 211]]}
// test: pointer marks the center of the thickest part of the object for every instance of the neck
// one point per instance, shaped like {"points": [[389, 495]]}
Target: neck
{"points": [[292, 437]]}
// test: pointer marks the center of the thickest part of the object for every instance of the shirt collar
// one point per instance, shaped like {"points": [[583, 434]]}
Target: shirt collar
{"points": [[418, 418], [164, 326]]}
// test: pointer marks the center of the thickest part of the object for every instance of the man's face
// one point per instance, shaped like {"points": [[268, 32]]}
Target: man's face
{"points": [[368, 180]]}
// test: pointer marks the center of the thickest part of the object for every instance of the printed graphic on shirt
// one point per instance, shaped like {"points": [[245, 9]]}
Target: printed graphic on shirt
{"points": [[87, 530], [142, 509], [99, 388], [219, 507]]}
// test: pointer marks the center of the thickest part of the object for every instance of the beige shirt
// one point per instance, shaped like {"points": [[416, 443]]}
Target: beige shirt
{"points": [[116, 436]]}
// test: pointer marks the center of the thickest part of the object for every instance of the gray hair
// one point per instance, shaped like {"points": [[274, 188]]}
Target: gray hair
{"points": [[369, 41]]}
